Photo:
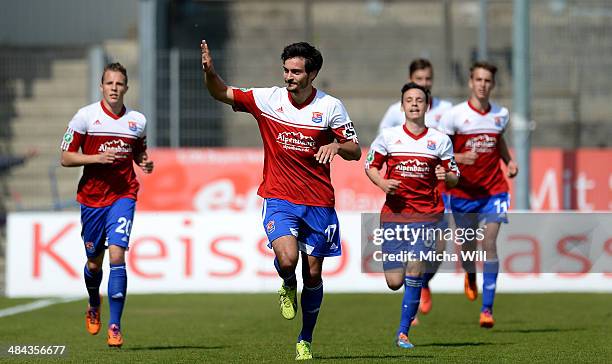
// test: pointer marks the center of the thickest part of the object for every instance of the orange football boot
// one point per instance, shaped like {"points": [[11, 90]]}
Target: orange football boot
{"points": [[92, 319], [115, 339], [470, 288], [425, 304], [486, 319]]}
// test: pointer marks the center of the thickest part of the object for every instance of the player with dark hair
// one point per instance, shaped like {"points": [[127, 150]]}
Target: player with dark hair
{"points": [[417, 158], [302, 129], [111, 138], [476, 127]]}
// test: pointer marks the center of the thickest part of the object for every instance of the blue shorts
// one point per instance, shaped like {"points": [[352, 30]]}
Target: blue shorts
{"points": [[469, 212], [446, 199], [109, 225], [421, 239], [316, 228]]}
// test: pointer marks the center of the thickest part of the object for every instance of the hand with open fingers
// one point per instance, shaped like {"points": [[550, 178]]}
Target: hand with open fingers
{"points": [[326, 153], [440, 173], [512, 169], [389, 186], [207, 63], [107, 157]]}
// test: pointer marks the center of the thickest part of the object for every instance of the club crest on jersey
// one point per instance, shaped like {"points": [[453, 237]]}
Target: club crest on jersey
{"points": [[270, 226], [317, 117], [497, 121], [431, 144], [132, 125], [89, 246]]}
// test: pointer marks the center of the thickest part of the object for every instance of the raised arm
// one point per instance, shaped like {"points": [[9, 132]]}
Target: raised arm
{"points": [[214, 83]]}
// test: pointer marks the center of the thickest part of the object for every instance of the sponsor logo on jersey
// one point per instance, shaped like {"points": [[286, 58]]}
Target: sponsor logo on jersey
{"points": [[438, 117], [280, 109], [431, 144], [118, 145], [466, 121], [97, 122], [291, 140], [132, 125], [482, 143], [412, 168], [270, 226], [317, 117]]}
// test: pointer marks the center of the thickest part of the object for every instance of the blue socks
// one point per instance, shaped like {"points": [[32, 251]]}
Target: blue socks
{"points": [[410, 302], [288, 277], [489, 282], [311, 303], [92, 283], [117, 290]]}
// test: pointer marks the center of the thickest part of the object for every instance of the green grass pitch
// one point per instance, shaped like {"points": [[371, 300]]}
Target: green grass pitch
{"points": [[355, 328]]}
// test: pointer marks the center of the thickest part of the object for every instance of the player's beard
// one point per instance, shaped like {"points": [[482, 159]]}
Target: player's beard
{"points": [[295, 86]]}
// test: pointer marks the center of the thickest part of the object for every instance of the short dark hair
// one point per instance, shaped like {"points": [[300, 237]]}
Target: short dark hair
{"points": [[411, 85], [312, 56], [116, 67], [419, 64], [484, 65]]}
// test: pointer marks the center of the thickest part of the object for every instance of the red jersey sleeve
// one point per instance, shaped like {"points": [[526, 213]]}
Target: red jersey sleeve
{"points": [[244, 101], [74, 137], [377, 156]]}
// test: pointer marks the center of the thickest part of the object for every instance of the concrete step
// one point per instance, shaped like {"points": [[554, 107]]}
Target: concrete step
{"points": [[48, 106], [76, 86]]}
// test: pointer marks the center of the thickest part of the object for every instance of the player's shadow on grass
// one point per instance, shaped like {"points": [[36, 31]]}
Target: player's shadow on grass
{"points": [[460, 344], [536, 331], [378, 357], [177, 347]]}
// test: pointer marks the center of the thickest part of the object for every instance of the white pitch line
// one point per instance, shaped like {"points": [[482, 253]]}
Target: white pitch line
{"points": [[34, 306]]}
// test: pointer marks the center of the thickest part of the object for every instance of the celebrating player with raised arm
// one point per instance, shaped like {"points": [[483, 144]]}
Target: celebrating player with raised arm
{"points": [[111, 138], [302, 129], [476, 127], [417, 157]]}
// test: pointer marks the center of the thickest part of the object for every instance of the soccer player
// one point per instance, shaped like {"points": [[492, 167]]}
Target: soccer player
{"points": [[477, 128], [302, 129], [417, 158], [110, 138], [421, 73]]}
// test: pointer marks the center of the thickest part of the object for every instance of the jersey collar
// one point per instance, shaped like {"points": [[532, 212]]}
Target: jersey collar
{"points": [[415, 136], [110, 112], [478, 111], [305, 103]]}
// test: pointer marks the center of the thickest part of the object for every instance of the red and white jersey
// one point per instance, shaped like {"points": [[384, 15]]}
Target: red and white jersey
{"points": [[292, 134], [93, 129], [478, 132], [412, 160], [395, 115]]}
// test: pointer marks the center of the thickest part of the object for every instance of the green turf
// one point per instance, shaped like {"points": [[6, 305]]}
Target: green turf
{"points": [[352, 328]]}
